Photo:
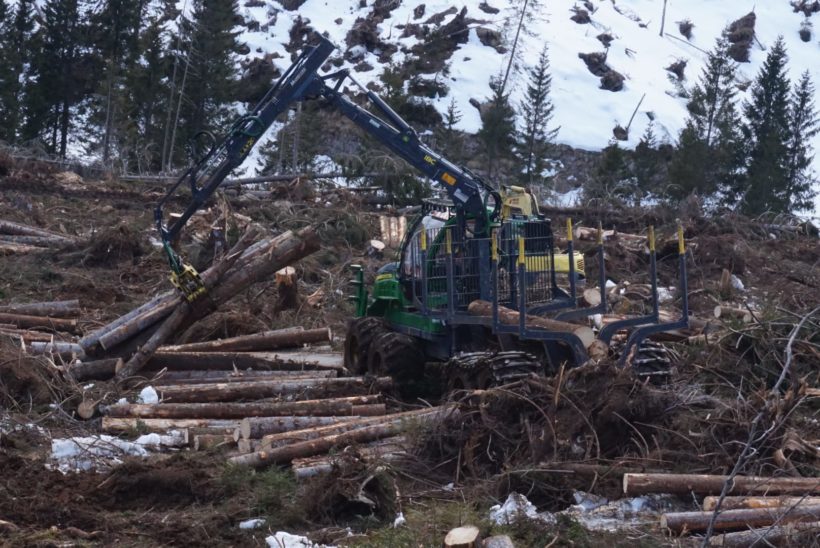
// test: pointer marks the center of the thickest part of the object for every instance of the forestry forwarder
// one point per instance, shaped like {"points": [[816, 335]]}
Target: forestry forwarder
{"points": [[466, 266]]}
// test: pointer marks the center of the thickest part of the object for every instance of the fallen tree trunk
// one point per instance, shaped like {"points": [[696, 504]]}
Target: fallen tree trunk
{"points": [[678, 522], [331, 407], [37, 241], [254, 428], [206, 377], [114, 425], [304, 388], [27, 336], [777, 535], [57, 324], [511, 317], [212, 441], [386, 449], [54, 309], [9, 227], [90, 342], [99, 370], [57, 348], [321, 445], [701, 484], [734, 503], [18, 249], [285, 438], [269, 340]]}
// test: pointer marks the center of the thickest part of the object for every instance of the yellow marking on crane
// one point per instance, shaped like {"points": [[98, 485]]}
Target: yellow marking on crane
{"points": [[449, 179], [522, 258], [600, 233], [569, 230], [424, 239], [651, 237], [448, 242], [681, 241], [494, 246]]}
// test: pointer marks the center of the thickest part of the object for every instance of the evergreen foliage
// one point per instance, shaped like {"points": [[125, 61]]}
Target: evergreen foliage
{"points": [[15, 42], [804, 124], [497, 133], [709, 148], [766, 132], [449, 140], [536, 113]]}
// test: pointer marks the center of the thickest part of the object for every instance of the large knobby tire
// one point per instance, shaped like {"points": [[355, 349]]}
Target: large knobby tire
{"points": [[396, 355], [360, 335]]}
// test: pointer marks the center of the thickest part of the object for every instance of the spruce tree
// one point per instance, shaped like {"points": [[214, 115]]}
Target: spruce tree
{"points": [[497, 133], [613, 176], [765, 187], [709, 147], [210, 50], [803, 126], [449, 140], [648, 167], [59, 83], [536, 112], [15, 45]]}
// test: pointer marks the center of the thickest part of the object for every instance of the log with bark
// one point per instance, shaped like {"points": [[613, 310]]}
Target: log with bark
{"points": [[323, 444], [213, 441], [728, 312], [678, 522], [733, 503], [776, 535], [257, 427], [330, 407], [54, 309], [18, 229], [701, 484], [253, 390], [387, 449], [230, 361], [113, 425], [285, 438], [511, 317], [207, 377], [267, 340], [96, 370], [26, 336], [39, 322]]}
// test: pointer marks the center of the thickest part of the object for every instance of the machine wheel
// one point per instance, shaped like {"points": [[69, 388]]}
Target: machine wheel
{"points": [[397, 355], [481, 370], [360, 336], [652, 361]]}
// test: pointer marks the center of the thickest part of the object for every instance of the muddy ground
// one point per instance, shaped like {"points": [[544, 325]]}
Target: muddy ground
{"points": [[188, 498]]}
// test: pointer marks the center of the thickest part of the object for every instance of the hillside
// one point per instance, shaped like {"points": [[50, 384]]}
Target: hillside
{"points": [[374, 35]]}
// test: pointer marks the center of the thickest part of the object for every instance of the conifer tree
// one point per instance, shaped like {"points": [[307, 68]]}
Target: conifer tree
{"points": [[803, 126], [765, 187], [709, 153], [648, 167], [16, 27], [209, 51], [536, 112], [450, 140], [497, 133], [613, 175], [59, 83]]}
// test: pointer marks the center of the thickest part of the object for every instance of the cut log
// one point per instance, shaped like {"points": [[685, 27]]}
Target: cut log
{"points": [[369, 410], [42, 322], [113, 425], [248, 446], [777, 535], [375, 248], [17, 249], [466, 536], [332, 407], [701, 484], [9, 227], [257, 427], [387, 449], [230, 361], [727, 312], [213, 441], [322, 445], [99, 370], [254, 390], [733, 503], [285, 438], [27, 336], [591, 297], [678, 522], [87, 409], [54, 309], [67, 351], [37, 241], [287, 289], [90, 342], [510, 317], [269, 340], [207, 377]]}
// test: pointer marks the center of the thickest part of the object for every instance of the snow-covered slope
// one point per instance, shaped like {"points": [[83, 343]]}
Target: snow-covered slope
{"points": [[585, 113]]}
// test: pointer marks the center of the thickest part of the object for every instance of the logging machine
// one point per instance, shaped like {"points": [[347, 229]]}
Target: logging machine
{"points": [[472, 271]]}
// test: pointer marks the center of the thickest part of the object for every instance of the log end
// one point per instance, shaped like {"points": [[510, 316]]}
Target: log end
{"points": [[87, 409], [467, 536]]}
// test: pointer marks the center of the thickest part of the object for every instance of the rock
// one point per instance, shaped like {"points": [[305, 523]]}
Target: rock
{"points": [[596, 62], [491, 38], [476, 103], [418, 11], [486, 8], [677, 68], [581, 16], [363, 66], [292, 5], [605, 38], [338, 20], [440, 16], [741, 34]]}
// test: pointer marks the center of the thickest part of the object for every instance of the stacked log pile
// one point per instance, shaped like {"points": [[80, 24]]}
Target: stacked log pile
{"points": [[40, 322]]}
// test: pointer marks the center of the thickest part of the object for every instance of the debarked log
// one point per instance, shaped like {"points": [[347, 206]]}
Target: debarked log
{"points": [[268, 340], [41, 322], [257, 427], [739, 519], [54, 309]]}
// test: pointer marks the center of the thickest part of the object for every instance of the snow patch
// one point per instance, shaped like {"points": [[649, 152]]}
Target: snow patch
{"points": [[517, 507], [148, 395], [286, 540], [81, 454], [254, 523]]}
